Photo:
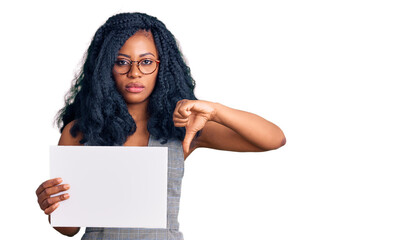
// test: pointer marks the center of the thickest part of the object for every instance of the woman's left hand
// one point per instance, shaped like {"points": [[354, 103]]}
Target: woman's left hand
{"points": [[193, 115]]}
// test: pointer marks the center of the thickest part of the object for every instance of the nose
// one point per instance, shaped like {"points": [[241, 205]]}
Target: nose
{"points": [[134, 71]]}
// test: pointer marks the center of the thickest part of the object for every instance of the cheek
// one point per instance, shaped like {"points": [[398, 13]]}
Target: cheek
{"points": [[118, 81], [153, 80]]}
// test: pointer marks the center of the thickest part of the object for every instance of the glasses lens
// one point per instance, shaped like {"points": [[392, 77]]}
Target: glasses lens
{"points": [[122, 66], [147, 66]]}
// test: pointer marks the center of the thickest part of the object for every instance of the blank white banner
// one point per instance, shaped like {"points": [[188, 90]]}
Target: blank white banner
{"points": [[111, 186]]}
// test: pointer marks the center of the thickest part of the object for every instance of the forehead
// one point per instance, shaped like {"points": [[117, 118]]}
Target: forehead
{"points": [[139, 43]]}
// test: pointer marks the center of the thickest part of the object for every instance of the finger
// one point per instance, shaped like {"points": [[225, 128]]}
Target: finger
{"points": [[51, 209], [52, 190], [181, 101], [50, 201], [180, 124], [188, 141], [178, 117], [184, 109], [47, 184], [177, 114], [184, 112], [180, 120]]}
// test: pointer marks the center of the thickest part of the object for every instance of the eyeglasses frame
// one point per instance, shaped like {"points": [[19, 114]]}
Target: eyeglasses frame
{"points": [[137, 65]]}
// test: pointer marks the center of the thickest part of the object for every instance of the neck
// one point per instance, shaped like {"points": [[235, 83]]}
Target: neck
{"points": [[139, 112]]}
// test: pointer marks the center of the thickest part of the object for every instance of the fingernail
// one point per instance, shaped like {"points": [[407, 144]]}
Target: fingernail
{"points": [[66, 195], [66, 186]]}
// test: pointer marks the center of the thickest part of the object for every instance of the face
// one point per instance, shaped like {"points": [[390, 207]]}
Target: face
{"points": [[135, 86]]}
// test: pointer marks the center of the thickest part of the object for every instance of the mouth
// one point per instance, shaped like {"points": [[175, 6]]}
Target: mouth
{"points": [[134, 87]]}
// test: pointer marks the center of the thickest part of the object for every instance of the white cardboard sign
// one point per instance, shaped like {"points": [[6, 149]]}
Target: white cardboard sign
{"points": [[111, 186]]}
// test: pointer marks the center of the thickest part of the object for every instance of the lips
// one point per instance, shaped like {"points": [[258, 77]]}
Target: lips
{"points": [[134, 87]]}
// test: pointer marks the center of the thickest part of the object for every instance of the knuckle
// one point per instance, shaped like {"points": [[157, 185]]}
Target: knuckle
{"points": [[38, 190], [39, 200], [48, 191], [43, 206], [182, 101]]}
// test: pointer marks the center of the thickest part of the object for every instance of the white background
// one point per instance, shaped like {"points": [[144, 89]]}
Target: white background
{"points": [[332, 74]]}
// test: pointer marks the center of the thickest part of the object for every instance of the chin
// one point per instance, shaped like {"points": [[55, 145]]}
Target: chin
{"points": [[135, 100]]}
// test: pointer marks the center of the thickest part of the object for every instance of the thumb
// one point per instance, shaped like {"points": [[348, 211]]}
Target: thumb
{"points": [[187, 142]]}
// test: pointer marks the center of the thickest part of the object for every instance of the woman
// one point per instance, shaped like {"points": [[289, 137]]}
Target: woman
{"points": [[136, 90]]}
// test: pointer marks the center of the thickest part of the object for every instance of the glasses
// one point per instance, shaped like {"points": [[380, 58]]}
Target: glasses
{"points": [[146, 65]]}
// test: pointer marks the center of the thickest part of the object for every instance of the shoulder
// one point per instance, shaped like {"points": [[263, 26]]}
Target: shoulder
{"points": [[66, 137]]}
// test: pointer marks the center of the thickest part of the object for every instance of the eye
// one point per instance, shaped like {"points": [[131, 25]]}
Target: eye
{"points": [[146, 61], [122, 62]]}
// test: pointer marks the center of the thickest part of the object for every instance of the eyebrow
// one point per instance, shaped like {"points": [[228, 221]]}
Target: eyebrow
{"points": [[142, 55]]}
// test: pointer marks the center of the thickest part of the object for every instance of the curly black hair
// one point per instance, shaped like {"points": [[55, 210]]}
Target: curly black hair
{"points": [[99, 110]]}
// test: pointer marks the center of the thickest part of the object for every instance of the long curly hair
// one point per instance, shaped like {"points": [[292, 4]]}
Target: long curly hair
{"points": [[100, 111]]}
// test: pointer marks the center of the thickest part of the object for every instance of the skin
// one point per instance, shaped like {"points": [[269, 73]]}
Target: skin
{"points": [[222, 127]]}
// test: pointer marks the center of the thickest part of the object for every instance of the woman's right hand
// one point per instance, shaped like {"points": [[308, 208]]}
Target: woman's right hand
{"points": [[46, 189]]}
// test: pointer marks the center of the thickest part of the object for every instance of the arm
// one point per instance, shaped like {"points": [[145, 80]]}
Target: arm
{"points": [[241, 131], [67, 231], [225, 128]]}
